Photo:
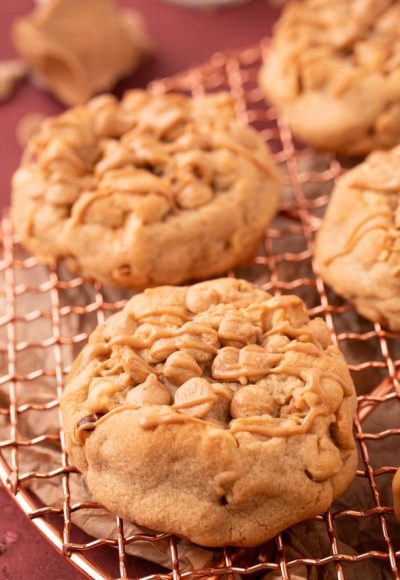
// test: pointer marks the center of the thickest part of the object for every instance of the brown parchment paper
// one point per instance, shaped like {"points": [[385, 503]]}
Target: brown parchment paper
{"points": [[308, 539]]}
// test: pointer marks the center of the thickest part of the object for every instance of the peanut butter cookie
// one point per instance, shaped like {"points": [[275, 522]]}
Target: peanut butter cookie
{"points": [[358, 245], [334, 70], [214, 411], [155, 189]]}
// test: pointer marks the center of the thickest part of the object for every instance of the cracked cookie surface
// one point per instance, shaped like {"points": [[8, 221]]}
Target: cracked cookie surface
{"points": [[215, 411], [151, 190], [334, 70], [358, 245]]}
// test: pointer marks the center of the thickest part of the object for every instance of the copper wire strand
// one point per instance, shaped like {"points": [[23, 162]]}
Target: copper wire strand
{"points": [[236, 73]]}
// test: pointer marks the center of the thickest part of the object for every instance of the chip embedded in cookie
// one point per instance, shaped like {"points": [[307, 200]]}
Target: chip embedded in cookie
{"points": [[358, 245], [214, 411], [333, 69], [151, 190]]}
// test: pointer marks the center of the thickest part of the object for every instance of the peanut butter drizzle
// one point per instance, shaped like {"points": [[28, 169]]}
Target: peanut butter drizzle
{"points": [[92, 351], [113, 370], [159, 188], [81, 207], [194, 402], [216, 144], [295, 424], [322, 374], [178, 311], [154, 418], [304, 347], [190, 345], [163, 189], [271, 427], [358, 234], [141, 362], [242, 151], [116, 411], [273, 304], [190, 328], [223, 390], [91, 426], [237, 372], [389, 246], [128, 340], [286, 328]]}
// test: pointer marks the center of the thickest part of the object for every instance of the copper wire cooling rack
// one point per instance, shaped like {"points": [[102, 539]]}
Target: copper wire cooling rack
{"points": [[284, 265]]}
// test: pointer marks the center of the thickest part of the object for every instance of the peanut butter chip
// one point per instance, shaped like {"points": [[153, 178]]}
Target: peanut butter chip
{"points": [[180, 367], [195, 398], [135, 366], [194, 195], [251, 401], [220, 411], [104, 392], [235, 330], [149, 393]]}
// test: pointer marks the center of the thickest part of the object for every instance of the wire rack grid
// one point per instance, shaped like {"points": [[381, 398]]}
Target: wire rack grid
{"points": [[284, 265]]}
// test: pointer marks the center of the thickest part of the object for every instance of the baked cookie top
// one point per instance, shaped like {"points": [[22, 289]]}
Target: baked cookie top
{"points": [[97, 175], [358, 246], [222, 363], [347, 53]]}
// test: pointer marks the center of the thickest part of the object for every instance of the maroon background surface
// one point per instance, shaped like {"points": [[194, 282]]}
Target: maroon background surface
{"points": [[183, 37]]}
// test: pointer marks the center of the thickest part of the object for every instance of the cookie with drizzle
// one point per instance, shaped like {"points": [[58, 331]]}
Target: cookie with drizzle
{"points": [[358, 245], [216, 412]]}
